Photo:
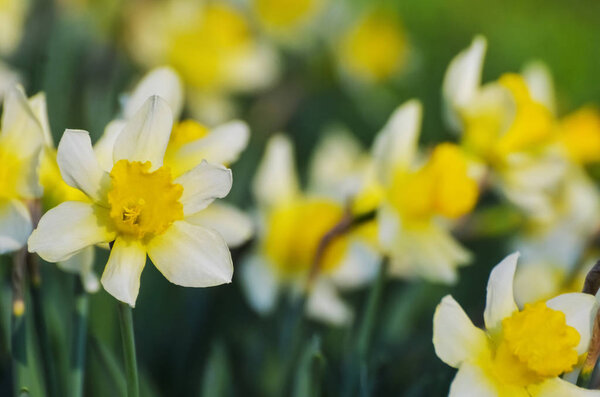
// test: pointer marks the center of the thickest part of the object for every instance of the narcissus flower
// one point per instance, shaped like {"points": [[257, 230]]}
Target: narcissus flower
{"points": [[21, 141], [190, 143], [509, 127], [211, 45], [421, 198], [521, 352], [289, 21], [292, 225], [375, 48], [139, 207]]}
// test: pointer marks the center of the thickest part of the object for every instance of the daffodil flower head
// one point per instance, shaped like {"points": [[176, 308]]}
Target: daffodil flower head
{"points": [[138, 206], [522, 351], [281, 18], [21, 140], [580, 135], [375, 48]]}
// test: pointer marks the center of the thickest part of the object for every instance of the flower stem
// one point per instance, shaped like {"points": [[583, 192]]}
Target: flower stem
{"points": [[19, 322], [39, 321], [80, 316], [368, 320], [128, 340]]}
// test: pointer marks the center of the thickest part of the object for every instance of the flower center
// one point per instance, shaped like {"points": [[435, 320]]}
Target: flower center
{"points": [[442, 186], [294, 232], [536, 344], [143, 204]]}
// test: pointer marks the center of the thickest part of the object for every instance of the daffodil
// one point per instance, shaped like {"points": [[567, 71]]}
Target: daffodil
{"points": [[421, 197], [190, 143], [21, 141], [375, 48], [138, 207], [509, 127], [12, 20], [210, 44], [522, 351], [292, 224]]}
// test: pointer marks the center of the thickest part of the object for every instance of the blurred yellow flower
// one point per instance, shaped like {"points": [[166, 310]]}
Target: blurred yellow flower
{"points": [[580, 134], [279, 17], [375, 48], [21, 141], [12, 20], [139, 207], [521, 352], [421, 199], [292, 224]]}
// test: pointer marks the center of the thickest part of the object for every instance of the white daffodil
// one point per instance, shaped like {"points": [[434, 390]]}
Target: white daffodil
{"points": [[553, 251], [521, 352], [292, 225], [138, 207], [509, 126], [420, 199], [210, 44], [21, 141], [190, 143]]}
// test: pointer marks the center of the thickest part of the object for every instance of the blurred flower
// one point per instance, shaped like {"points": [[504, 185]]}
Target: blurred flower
{"points": [[285, 20], [21, 141], [509, 127], [12, 20], [375, 48], [190, 143], [521, 352], [209, 43], [421, 198], [292, 226], [580, 134], [139, 207]]}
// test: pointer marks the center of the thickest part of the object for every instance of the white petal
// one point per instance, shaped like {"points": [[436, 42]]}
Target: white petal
{"points": [[222, 145], [146, 134], [388, 226], [500, 301], [121, 277], [396, 145], [540, 84], [324, 304], [191, 256], [471, 381], [580, 310], [259, 284], [82, 263], [40, 110], [69, 227], [462, 80], [21, 129], [455, 338], [79, 166], [164, 82], [231, 223], [104, 147], [202, 185], [276, 178], [15, 225], [358, 268], [557, 387]]}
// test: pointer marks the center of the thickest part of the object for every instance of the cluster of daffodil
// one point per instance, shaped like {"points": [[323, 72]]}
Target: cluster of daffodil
{"points": [[151, 189]]}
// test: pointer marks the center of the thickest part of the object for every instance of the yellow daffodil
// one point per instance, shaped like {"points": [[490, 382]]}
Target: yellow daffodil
{"points": [[375, 49], [522, 351], [190, 143], [210, 44], [288, 22], [292, 226], [139, 207], [21, 141], [509, 127], [420, 198], [580, 135]]}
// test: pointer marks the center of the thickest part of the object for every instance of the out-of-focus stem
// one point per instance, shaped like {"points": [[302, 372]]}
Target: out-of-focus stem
{"points": [[80, 316], [128, 340], [19, 321], [370, 314]]}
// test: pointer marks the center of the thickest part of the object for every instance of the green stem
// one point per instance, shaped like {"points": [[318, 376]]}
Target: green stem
{"points": [[368, 320], [19, 325], [80, 316], [128, 340]]}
